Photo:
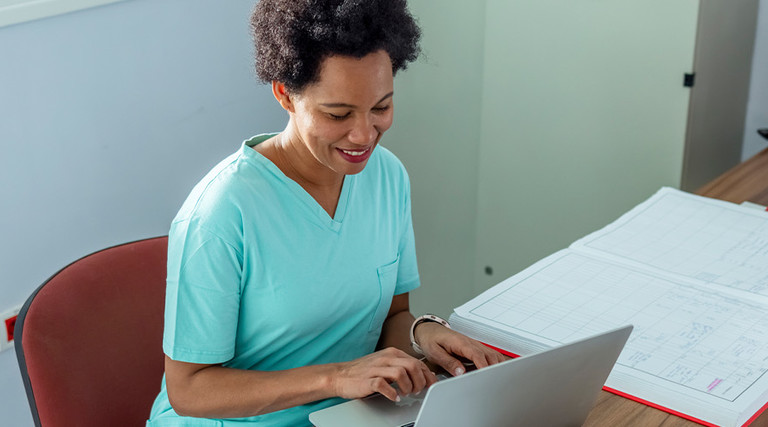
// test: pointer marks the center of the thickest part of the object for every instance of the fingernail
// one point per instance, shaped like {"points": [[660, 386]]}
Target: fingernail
{"points": [[458, 371], [397, 399]]}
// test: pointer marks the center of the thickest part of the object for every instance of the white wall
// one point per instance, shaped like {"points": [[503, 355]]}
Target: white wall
{"points": [[108, 116], [436, 133], [757, 108]]}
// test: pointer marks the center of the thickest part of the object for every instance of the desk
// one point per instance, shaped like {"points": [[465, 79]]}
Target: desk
{"points": [[745, 182]]}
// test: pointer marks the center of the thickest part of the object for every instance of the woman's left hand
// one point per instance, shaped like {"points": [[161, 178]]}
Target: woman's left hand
{"points": [[441, 346]]}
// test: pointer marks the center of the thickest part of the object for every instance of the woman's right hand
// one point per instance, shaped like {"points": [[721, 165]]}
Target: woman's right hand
{"points": [[375, 372]]}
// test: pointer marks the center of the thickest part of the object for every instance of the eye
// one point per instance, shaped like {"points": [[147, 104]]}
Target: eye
{"points": [[337, 117], [381, 109]]}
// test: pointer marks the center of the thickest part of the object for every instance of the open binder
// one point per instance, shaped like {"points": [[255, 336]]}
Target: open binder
{"points": [[690, 273]]}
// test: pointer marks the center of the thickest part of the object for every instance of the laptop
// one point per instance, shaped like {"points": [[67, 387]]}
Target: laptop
{"points": [[555, 387]]}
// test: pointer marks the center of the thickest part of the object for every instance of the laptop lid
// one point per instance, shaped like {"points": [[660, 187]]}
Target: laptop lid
{"points": [[556, 387]]}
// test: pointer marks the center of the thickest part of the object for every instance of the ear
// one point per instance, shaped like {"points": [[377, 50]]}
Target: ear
{"points": [[282, 96]]}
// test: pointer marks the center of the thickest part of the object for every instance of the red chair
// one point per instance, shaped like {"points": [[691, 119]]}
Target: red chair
{"points": [[89, 340]]}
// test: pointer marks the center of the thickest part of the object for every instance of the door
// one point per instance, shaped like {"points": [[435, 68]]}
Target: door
{"points": [[723, 64], [584, 116]]}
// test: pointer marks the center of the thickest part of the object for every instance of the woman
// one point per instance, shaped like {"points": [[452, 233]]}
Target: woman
{"points": [[290, 263]]}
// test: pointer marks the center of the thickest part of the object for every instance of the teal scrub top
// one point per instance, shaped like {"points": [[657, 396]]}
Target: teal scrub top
{"points": [[261, 277]]}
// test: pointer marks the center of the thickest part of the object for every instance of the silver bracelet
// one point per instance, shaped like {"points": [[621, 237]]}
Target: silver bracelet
{"points": [[420, 320]]}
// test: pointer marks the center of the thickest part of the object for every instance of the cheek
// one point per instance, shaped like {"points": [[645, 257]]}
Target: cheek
{"points": [[319, 130], [385, 122], [328, 131]]}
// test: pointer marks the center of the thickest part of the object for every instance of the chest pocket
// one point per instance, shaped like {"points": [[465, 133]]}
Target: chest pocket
{"points": [[387, 281]]}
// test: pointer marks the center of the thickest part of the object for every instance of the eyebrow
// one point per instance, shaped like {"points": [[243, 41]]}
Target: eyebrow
{"points": [[343, 105]]}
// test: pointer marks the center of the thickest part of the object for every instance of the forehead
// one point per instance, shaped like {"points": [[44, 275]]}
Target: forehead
{"points": [[353, 80]]}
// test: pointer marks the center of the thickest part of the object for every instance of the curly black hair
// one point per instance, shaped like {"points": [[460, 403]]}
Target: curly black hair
{"points": [[293, 37]]}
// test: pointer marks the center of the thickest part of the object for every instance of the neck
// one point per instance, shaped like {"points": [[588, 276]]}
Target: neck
{"points": [[298, 163]]}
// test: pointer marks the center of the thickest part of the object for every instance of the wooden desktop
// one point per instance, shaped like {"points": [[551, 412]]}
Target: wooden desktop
{"points": [[745, 182]]}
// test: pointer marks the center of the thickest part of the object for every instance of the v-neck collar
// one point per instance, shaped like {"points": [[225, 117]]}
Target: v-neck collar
{"points": [[320, 214]]}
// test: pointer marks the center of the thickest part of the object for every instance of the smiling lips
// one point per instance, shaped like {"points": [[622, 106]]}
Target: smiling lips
{"points": [[355, 156]]}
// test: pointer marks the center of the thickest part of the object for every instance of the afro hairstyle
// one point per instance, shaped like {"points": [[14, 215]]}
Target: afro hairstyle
{"points": [[293, 37]]}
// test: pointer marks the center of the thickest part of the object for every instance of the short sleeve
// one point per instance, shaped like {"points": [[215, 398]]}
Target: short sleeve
{"points": [[202, 296]]}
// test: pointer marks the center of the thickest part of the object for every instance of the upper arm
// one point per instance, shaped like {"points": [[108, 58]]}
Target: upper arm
{"points": [[178, 382], [400, 303], [204, 276]]}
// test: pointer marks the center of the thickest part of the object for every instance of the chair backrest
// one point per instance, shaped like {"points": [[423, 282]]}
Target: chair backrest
{"points": [[89, 340]]}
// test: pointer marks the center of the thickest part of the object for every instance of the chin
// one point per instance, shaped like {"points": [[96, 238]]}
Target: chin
{"points": [[356, 169]]}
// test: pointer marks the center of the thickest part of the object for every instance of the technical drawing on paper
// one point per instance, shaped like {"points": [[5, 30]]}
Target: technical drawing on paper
{"points": [[693, 236], [696, 338]]}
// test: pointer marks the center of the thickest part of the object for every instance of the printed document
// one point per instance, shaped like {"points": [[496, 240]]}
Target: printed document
{"points": [[690, 273]]}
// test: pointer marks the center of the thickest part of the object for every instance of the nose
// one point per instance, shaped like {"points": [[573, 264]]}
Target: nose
{"points": [[364, 130]]}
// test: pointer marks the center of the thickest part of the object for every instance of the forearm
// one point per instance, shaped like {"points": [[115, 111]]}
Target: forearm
{"points": [[219, 392]]}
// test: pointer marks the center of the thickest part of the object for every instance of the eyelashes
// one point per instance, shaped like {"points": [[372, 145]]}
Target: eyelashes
{"points": [[337, 117], [348, 114]]}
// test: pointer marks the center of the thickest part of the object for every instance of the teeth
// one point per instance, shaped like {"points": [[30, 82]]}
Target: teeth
{"points": [[354, 153]]}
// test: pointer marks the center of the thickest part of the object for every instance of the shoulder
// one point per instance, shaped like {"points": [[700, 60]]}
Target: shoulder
{"points": [[386, 157], [385, 163], [216, 203], [211, 190]]}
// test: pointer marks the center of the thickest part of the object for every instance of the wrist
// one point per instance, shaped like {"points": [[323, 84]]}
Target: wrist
{"points": [[422, 320], [423, 329], [330, 383]]}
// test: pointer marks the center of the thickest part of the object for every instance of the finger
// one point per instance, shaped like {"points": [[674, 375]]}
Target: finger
{"points": [[424, 379], [430, 377], [446, 361], [480, 360], [420, 375], [380, 385], [490, 356], [499, 357], [418, 380], [502, 357], [472, 352], [417, 373], [399, 375]]}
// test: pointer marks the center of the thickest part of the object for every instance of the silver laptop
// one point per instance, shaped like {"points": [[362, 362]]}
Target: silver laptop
{"points": [[556, 387]]}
